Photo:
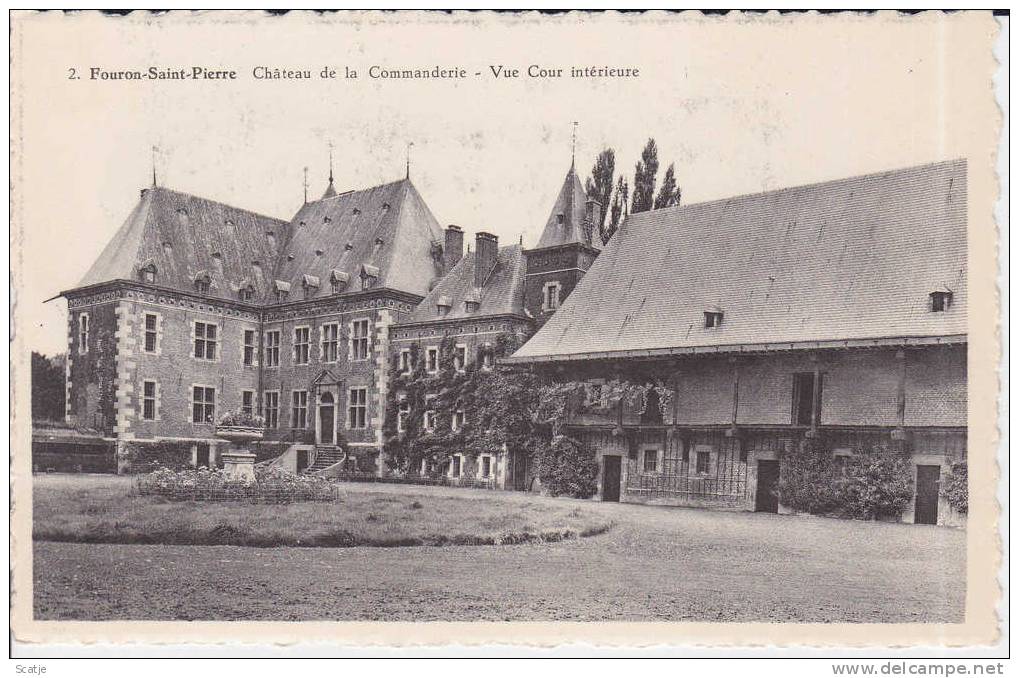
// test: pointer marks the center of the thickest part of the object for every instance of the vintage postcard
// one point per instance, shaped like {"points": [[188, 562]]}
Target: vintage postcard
{"points": [[505, 327]]}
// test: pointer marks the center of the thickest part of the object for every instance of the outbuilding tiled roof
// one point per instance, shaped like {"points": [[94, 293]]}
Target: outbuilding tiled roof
{"points": [[178, 234], [386, 231], [503, 291], [853, 259]]}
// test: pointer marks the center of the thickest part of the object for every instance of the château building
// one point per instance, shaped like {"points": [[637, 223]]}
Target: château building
{"points": [[196, 308]]}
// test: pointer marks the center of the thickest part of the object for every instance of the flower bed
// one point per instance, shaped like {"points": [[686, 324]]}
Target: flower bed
{"points": [[271, 486]]}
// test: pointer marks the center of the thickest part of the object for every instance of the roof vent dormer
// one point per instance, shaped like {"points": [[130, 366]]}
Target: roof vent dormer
{"points": [[940, 300], [147, 271], [443, 305], [713, 317], [338, 280]]}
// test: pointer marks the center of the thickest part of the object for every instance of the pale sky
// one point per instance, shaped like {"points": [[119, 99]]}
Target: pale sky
{"points": [[739, 106]]}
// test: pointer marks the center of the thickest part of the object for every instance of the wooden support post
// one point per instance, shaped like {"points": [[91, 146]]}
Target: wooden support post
{"points": [[899, 434], [732, 432]]}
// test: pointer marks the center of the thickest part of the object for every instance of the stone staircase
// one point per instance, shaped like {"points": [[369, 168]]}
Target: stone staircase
{"points": [[324, 457]]}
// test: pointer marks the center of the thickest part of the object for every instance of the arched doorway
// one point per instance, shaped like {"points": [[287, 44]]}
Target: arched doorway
{"points": [[326, 419]]}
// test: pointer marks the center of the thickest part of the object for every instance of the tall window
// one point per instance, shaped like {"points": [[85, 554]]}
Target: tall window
{"points": [[703, 461], [272, 348], [359, 340], [205, 341], [405, 361], [357, 412], [149, 400], [150, 332], [330, 342], [550, 296], [486, 360], [460, 357], [651, 461], [247, 402], [456, 465], [428, 421], [458, 420], [486, 466], [271, 403], [402, 413], [807, 398], [249, 347], [83, 333], [302, 345], [203, 407], [432, 359], [299, 409]]}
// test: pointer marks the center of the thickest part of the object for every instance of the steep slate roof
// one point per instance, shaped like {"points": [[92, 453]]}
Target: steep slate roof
{"points": [[194, 229], [841, 260], [503, 291], [397, 240], [571, 203]]}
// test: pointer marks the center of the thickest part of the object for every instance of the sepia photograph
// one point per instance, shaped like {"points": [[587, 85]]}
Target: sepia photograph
{"points": [[510, 317]]}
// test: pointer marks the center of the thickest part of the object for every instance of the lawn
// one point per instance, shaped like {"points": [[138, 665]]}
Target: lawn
{"points": [[655, 564], [106, 510]]}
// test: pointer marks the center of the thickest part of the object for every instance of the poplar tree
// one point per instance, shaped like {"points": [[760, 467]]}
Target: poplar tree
{"points": [[599, 185], [669, 193], [644, 178]]}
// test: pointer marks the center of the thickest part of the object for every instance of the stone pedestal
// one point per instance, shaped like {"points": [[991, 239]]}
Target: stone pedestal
{"points": [[239, 465]]}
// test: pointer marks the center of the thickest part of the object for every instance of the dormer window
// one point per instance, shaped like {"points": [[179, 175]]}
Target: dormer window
{"points": [[560, 219], [338, 280], [147, 272], [443, 306], [246, 292], [385, 207], [203, 282], [282, 290], [941, 300], [327, 219], [369, 276], [349, 246], [310, 284], [472, 306], [713, 317]]}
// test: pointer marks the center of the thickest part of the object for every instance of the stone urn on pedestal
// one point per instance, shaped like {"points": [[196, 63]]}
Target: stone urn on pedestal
{"points": [[238, 462]]}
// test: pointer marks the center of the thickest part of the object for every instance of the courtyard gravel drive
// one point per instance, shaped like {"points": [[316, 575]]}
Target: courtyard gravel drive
{"points": [[661, 564]]}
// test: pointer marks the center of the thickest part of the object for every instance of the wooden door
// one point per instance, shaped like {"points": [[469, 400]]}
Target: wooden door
{"points": [[927, 489], [203, 455], [611, 476], [326, 420], [767, 486]]}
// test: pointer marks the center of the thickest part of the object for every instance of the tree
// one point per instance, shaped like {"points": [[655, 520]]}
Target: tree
{"points": [[47, 387], [644, 176], [619, 209], [599, 185], [670, 193]]}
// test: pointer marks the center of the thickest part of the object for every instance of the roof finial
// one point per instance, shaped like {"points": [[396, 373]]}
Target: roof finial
{"points": [[154, 149], [330, 163], [409, 146], [305, 185], [573, 152]]}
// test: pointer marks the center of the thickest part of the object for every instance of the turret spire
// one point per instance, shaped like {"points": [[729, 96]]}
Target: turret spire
{"points": [[573, 151], [330, 163], [305, 185], [409, 146], [154, 149]]}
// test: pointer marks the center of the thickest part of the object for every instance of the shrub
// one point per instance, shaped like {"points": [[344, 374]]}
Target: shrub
{"points": [[807, 482], [147, 457], [876, 484], [568, 467], [955, 487], [272, 485], [872, 484]]}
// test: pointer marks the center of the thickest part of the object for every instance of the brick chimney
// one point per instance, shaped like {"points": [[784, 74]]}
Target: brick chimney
{"points": [[453, 250], [486, 248], [592, 219]]}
